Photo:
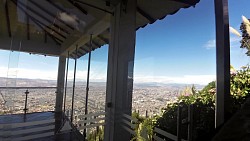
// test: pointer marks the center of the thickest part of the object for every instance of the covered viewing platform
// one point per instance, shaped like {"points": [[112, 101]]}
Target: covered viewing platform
{"points": [[74, 28]]}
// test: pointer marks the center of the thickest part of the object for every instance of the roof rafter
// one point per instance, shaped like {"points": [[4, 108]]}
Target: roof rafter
{"points": [[76, 37], [93, 6], [43, 17], [85, 50], [96, 44], [6, 7], [47, 27], [78, 7], [30, 46], [59, 8], [82, 51], [51, 14], [28, 27], [45, 36], [146, 15], [103, 39], [56, 39], [36, 22], [189, 2]]}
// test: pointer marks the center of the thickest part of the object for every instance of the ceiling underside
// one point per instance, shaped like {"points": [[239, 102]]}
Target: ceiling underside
{"points": [[55, 27]]}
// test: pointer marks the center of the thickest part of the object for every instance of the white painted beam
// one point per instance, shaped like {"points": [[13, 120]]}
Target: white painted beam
{"points": [[29, 46], [78, 38]]}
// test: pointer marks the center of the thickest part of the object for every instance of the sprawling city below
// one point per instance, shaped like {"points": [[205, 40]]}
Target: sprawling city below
{"points": [[150, 97]]}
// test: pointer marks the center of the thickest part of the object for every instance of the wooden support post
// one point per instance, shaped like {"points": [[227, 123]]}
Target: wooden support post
{"points": [[222, 62]]}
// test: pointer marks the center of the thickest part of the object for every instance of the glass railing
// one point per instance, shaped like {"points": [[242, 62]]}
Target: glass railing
{"points": [[16, 100]]}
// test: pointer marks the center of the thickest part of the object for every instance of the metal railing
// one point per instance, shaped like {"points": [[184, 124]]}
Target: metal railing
{"points": [[18, 99], [130, 123], [91, 120]]}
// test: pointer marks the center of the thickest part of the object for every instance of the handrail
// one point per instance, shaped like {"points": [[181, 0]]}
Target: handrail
{"points": [[90, 120], [165, 134], [92, 114], [129, 123], [130, 118], [91, 125], [129, 130], [28, 87]]}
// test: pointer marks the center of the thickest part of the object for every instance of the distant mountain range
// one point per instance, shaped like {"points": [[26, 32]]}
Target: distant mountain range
{"points": [[23, 82]]}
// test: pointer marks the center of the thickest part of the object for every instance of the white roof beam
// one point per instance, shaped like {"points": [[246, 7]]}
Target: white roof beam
{"points": [[77, 38], [30, 46]]}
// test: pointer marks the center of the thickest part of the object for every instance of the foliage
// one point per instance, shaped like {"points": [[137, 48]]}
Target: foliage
{"points": [[245, 38], [203, 102], [96, 135], [144, 129], [240, 87]]}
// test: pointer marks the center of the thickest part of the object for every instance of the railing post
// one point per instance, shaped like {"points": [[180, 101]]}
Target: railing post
{"points": [[60, 85], [66, 84], [179, 122], [87, 85], [190, 122], [26, 100], [73, 93]]}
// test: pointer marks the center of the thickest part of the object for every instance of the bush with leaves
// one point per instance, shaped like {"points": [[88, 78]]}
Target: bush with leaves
{"points": [[204, 106]]}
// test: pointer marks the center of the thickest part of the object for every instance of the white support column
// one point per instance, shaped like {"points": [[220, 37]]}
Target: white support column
{"points": [[60, 84], [120, 70], [222, 62]]}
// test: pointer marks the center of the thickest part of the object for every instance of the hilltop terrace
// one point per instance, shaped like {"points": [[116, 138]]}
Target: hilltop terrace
{"points": [[73, 28]]}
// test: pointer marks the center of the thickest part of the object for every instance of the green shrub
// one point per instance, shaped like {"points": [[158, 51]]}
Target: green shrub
{"points": [[204, 107]]}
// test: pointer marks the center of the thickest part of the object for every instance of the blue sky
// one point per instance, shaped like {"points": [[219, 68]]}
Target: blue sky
{"points": [[177, 49]]}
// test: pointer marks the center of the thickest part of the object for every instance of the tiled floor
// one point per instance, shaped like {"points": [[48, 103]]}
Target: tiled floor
{"points": [[61, 136]]}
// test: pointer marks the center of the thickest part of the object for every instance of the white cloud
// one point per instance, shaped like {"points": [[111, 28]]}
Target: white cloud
{"points": [[27, 73], [187, 79], [101, 77], [234, 42], [49, 75], [210, 44]]}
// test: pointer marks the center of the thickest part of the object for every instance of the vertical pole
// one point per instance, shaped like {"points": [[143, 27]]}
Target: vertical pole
{"points": [[87, 86], [26, 100], [190, 122], [66, 84], [120, 70], [60, 84], [59, 92], [222, 62], [73, 93], [179, 123]]}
